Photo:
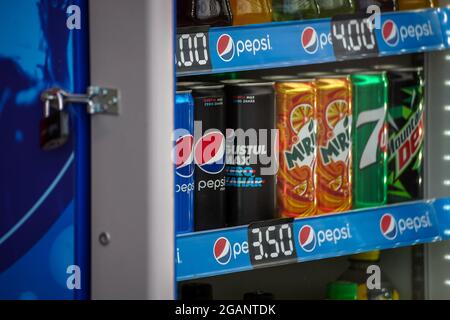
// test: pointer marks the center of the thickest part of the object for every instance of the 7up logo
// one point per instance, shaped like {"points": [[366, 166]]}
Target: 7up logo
{"points": [[378, 137]]}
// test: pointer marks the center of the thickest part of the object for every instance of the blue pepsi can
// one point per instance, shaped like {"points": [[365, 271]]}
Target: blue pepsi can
{"points": [[183, 158]]}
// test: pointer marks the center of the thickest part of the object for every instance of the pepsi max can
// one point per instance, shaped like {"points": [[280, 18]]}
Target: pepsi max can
{"points": [[209, 154], [251, 156], [184, 162]]}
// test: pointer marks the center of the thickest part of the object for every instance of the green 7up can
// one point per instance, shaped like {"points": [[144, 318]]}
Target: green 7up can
{"points": [[406, 135], [370, 159]]}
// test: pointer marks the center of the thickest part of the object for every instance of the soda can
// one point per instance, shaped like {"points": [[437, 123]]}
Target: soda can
{"points": [[247, 12], [331, 8], [209, 155], [297, 126], [184, 162], [251, 152], [334, 160], [370, 162], [204, 12], [287, 10], [406, 135], [417, 4], [384, 5]]}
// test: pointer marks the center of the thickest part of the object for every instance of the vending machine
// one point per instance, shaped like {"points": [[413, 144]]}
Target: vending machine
{"points": [[224, 149]]}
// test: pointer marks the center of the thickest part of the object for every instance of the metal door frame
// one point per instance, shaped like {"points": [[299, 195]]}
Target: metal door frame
{"points": [[133, 236]]}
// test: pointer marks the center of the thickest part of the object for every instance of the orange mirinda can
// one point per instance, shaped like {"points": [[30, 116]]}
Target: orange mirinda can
{"points": [[296, 123], [334, 155], [247, 12]]}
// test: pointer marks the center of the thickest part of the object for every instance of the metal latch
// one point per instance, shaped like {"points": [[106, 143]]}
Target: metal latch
{"points": [[98, 100], [55, 126]]}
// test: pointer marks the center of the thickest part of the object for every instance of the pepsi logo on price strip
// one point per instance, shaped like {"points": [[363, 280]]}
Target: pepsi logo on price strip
{"points": [[393, 35], [229, 49], [390, 33], [310, 239], [224, 251], [392, 228], [307, 238], [225, 48], [388, 226], [310, 40]]}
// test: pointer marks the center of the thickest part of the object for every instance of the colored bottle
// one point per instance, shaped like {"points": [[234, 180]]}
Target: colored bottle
{"points": [[247, 12], [287, 10], [203, 12], [331, 8], [417, 4], [357, 273]]}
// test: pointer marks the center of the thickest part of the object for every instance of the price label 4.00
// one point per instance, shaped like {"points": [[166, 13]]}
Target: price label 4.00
{"points": [[353, 36], [192, 50]]}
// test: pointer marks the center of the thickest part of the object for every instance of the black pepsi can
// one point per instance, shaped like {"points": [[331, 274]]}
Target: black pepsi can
{"points": [[209, 155], [183, 159], [251, 153]]}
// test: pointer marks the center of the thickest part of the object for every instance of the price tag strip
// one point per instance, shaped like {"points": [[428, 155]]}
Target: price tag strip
{"points": [[228, 49], [284, 241]]}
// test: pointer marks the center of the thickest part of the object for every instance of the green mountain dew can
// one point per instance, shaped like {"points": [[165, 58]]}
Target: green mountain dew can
{"points": [[370, 158], [406, 135], [287, 10]]}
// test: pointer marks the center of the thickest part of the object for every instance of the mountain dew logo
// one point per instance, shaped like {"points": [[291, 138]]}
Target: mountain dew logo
{"points": [[338, 147], [407, 143]]}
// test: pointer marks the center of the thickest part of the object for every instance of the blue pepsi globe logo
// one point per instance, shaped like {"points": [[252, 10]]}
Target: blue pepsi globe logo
{"points": [[388, 226], [310, 40], [225, 47], [222, 251], [390, 33], [307, 238]]}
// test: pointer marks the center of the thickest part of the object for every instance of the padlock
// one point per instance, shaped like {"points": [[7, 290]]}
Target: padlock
{"points": [[54, 127]]}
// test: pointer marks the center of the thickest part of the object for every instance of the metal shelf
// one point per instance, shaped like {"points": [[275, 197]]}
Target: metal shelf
{"points": [[202, 254], [308, 42]]}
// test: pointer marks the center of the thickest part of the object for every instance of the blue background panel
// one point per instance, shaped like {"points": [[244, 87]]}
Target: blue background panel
{"points": [[43, 195]]}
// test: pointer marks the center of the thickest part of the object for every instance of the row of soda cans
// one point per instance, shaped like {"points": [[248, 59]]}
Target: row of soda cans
{"points": [[253, 150], [245, 12]]}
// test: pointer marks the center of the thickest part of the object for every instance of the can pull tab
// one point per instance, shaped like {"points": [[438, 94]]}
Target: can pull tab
{"points": [[55, 126]]}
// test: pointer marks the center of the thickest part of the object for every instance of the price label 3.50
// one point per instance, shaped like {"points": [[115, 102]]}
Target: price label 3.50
{"points": [[271, 242]]}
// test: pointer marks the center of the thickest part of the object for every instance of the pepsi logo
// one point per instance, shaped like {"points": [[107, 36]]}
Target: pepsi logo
{"points": [[390, 33], [310, 40], [307, 238], [388, 226], [184, 156], [225, 47], [222, 251], [209, 152]]}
